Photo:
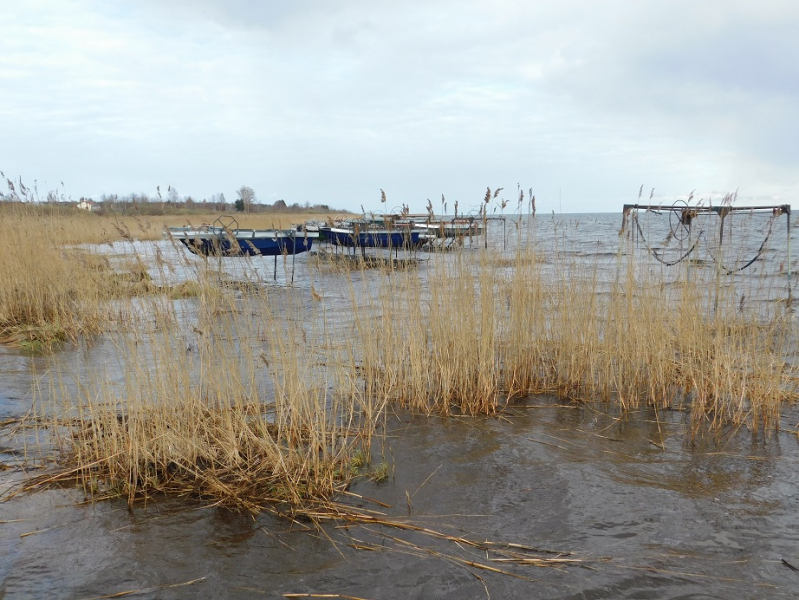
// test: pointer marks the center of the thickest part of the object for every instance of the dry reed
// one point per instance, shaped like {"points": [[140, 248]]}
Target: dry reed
{"points": [[481, 336], [48, 292], [227, 402], [255, 396]]}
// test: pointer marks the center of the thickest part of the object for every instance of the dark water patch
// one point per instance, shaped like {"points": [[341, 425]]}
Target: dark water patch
{"points": [[683, 520]]}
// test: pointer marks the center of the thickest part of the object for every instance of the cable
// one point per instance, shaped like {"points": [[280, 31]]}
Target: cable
{"points": [[654, 253], [757, 255]]}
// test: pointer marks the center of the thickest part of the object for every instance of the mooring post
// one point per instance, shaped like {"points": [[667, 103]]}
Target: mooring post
{"points": [[219, 265], [787, 210], [722, 213], [688, 262], [293, 254], [623, 233], [274, 275]]}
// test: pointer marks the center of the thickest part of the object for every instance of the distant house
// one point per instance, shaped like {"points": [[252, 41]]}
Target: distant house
{"points": [[89, 205]]}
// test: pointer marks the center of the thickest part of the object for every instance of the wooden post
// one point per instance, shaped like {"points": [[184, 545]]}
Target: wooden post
{"points": [[688, 261], [293, 254], [719, 255]]}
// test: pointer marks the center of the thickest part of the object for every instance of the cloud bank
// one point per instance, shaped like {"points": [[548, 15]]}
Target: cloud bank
{"points": [[330, 102]]}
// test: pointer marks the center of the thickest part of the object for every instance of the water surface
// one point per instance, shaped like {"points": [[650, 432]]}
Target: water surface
{"points": [[650, 510]]}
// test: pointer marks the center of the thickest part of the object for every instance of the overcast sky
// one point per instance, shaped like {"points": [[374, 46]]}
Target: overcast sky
{"points": [[330, 102]]}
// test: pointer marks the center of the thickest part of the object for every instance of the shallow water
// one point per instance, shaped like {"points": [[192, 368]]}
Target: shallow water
{"points": [[682, 521], [649, 510]]}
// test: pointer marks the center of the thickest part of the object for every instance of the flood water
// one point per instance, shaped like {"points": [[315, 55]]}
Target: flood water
{"points": [[645, 509]]}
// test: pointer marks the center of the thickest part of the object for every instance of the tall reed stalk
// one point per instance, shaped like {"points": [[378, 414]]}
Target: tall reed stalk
{"points": [[48, 292], [251, 394], [475, 336]]}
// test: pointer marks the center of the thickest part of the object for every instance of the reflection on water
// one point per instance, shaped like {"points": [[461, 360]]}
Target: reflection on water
{"points": [[650, 510]]}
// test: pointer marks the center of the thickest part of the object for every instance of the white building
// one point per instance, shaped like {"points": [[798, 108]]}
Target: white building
{"points": [[89, 205]]}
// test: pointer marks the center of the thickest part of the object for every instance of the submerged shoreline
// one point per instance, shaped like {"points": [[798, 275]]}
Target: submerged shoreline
{"points": [[675, 521], [635, 497]]}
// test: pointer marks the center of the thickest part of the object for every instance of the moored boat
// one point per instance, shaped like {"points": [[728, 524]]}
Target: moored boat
{"points": [[223, 241], [451, 229], [355, 236]]}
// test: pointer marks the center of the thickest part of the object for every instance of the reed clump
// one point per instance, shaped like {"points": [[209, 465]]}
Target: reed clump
{"points": [[56, 286], [75, 226], [346, 261], [436, 347], [48, 292], [254, 395], [224, 399], [481, 336]]}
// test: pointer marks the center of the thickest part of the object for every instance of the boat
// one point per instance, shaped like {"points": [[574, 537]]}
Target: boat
{"points": [[430, 226], [451, 229], [225, 241], [366, 237], [315, 227]]}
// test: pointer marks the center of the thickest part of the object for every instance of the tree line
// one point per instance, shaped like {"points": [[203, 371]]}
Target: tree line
{"points": [[169, 201]]}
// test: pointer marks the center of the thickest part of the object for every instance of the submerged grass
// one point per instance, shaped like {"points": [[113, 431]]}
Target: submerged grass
{"points": [[327, 261], [52, 289], [228, 403], [255, 396], [47, 292], [482, 336]]}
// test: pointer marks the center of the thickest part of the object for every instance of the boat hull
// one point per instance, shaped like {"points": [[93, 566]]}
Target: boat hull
{"points": [[247, 247], [372, 239], [221, 242]]}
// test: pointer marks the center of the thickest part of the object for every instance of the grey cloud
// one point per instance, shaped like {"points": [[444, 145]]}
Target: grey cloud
{"points": [[313, 97]]}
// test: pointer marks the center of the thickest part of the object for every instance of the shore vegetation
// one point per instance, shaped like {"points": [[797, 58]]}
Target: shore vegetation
{"points": [[257, 396]]}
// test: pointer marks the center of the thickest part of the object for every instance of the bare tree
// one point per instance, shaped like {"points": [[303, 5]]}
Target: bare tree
{"points": [[173, 197], [247, 196]]}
